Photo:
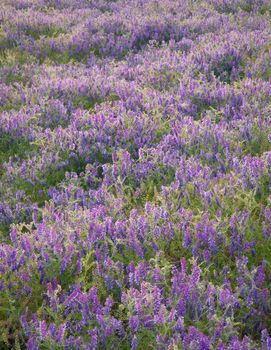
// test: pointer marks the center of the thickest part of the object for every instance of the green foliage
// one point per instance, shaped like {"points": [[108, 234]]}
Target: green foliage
{"points": [[12, 146]]}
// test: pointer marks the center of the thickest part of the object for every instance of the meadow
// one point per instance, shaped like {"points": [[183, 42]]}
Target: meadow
{"points": [[135, 174]]}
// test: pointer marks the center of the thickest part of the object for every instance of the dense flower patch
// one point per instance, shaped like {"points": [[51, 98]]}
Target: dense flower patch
{"points": [[135, 174]]}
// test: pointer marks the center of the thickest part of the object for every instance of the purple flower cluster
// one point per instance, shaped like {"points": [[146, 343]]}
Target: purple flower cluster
{"points": [[135, 174]]}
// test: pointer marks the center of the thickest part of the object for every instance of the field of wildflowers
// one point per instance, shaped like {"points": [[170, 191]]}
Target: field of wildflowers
{"points": [[135, 174]]}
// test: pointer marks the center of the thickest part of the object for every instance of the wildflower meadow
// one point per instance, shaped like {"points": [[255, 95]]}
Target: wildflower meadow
{"points": [[135, 174]]}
